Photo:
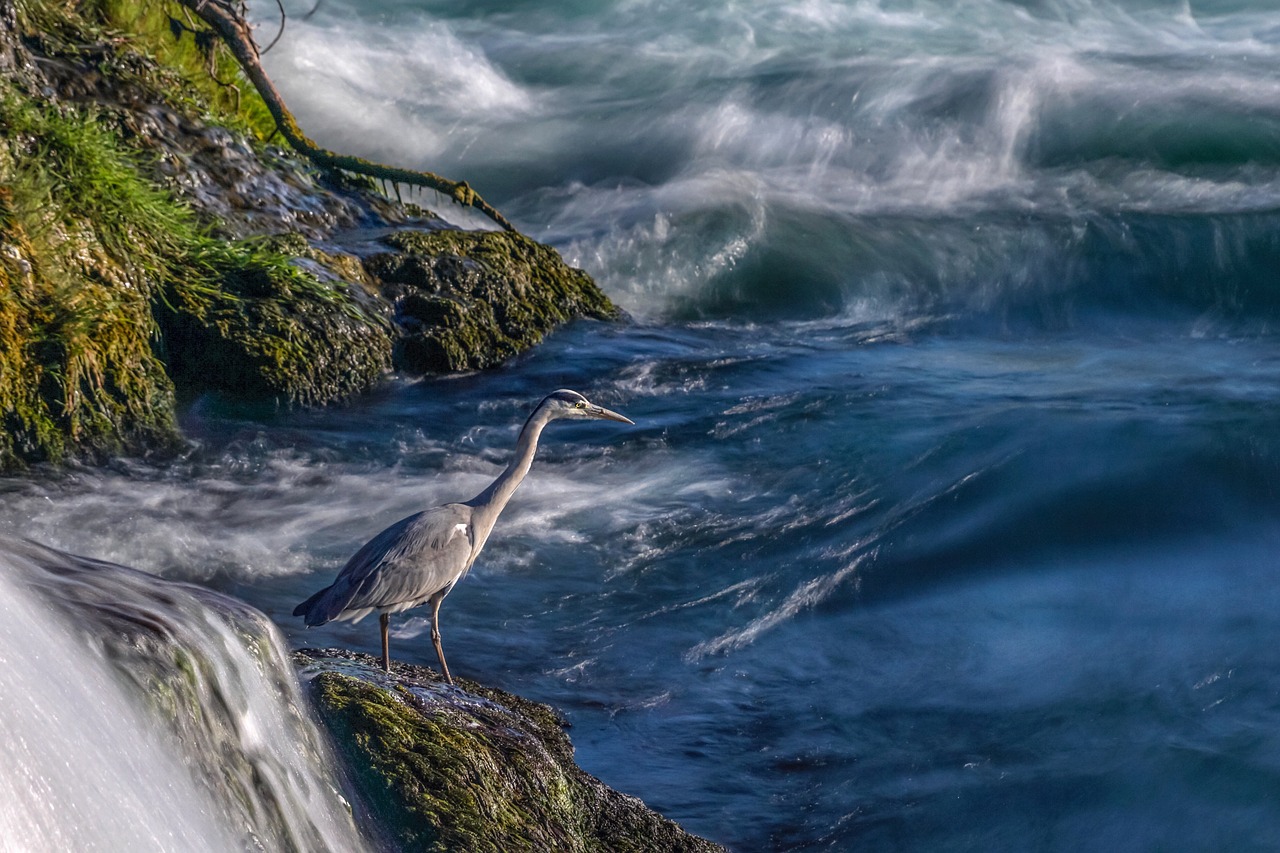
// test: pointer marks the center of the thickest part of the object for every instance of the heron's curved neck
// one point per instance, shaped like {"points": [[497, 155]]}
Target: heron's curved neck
{"points": [[490, 502]]}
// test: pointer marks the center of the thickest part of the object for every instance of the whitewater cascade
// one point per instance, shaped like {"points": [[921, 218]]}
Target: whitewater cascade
{"points": [[142, 714]]}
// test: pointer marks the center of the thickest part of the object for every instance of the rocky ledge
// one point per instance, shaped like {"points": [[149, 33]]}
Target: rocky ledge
{"points": [[153, 240], [471, 767], [410, 763]]}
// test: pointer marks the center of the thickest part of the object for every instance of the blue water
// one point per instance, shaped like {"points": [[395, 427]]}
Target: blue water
{"points": [[950, 515]]}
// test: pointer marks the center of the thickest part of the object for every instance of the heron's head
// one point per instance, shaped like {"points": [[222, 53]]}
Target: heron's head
{"points": [[571, 404]]}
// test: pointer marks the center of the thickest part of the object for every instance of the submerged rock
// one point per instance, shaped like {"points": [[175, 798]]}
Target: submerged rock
{"points": [[472, 768]]}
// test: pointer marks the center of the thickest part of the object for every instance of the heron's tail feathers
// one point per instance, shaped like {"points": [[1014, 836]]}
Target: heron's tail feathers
{"points": [[315, 610]]}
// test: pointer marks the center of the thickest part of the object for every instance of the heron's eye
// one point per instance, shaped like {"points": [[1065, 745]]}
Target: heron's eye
{"points": [[580, 404]]}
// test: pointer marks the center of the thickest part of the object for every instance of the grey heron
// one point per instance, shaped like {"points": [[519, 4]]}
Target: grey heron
{"points": [[418, 559]]}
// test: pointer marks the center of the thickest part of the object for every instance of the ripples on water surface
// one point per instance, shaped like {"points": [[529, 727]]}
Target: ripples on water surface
{"points": [[949, 518]]}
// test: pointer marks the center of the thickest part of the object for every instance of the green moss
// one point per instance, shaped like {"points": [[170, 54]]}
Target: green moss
{"points": [[83, 241], [27, 426], [473, 299], [532, 269], [445, 787], [92, 252], [67, 165], [192, 66], [249, 321]]}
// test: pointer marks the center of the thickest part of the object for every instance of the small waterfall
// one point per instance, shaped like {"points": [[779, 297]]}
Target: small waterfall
{"points": [[141, 714]]}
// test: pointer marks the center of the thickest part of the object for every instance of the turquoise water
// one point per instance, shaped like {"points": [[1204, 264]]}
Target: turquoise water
{"points": [[950, 515]]}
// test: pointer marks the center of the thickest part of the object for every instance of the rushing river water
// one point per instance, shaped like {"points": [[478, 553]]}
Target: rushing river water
{"points": [[950, 516]]}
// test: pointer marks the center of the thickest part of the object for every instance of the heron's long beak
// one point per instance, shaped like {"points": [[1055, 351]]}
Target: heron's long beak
{"points": [[602, 412]]}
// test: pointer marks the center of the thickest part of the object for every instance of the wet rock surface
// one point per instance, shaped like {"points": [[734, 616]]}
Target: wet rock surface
{"points": [[466, 300], [444, 768]]}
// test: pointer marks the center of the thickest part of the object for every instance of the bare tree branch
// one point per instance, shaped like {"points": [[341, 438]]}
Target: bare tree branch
{"points": [[280, 6], [228, 22]]}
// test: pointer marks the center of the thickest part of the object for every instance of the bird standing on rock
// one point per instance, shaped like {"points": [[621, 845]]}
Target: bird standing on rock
{"points": [[418, 559]]}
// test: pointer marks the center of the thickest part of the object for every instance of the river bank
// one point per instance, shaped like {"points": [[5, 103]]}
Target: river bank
{"points": [[154, 243]]}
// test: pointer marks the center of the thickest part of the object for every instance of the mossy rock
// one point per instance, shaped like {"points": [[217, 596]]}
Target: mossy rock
{"points": [[267, 328], [475, 769], [467, 300]]}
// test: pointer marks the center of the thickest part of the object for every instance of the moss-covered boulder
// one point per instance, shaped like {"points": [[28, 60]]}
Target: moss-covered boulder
{"points": [[472, 299], [472, 768], [271, 328]]}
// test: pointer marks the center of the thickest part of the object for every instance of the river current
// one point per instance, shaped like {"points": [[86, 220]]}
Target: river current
{"points": [[950, 516]]}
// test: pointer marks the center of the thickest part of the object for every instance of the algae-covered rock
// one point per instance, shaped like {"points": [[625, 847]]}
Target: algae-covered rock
{"points": [[472, 299], [472, 768], [270, 328], [77, 370]]}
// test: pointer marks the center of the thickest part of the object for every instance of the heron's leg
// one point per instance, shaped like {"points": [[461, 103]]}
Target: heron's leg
{"points": [[383, 621], [435, 636]]}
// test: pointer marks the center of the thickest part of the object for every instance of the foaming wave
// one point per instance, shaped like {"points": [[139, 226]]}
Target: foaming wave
{"points": [[803, 160], [737, 133], [399, 94], [666, 243]]}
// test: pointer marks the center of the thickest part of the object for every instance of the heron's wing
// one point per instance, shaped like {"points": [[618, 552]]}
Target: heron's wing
{"points": [[403, 565]]}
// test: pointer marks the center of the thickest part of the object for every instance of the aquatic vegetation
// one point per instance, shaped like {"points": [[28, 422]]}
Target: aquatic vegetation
{"points": [[84, 244], [253, 323]]}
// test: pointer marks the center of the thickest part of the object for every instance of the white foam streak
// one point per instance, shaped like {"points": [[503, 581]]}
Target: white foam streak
{"points": [[296, 516], [281, 520], [632, 497], [805, 596]]}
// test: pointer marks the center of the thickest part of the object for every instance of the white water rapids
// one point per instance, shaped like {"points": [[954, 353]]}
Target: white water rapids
{"points": [[143, 715]]}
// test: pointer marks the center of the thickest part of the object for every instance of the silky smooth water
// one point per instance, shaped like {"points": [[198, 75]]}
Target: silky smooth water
{"points": [[950, 515]]}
